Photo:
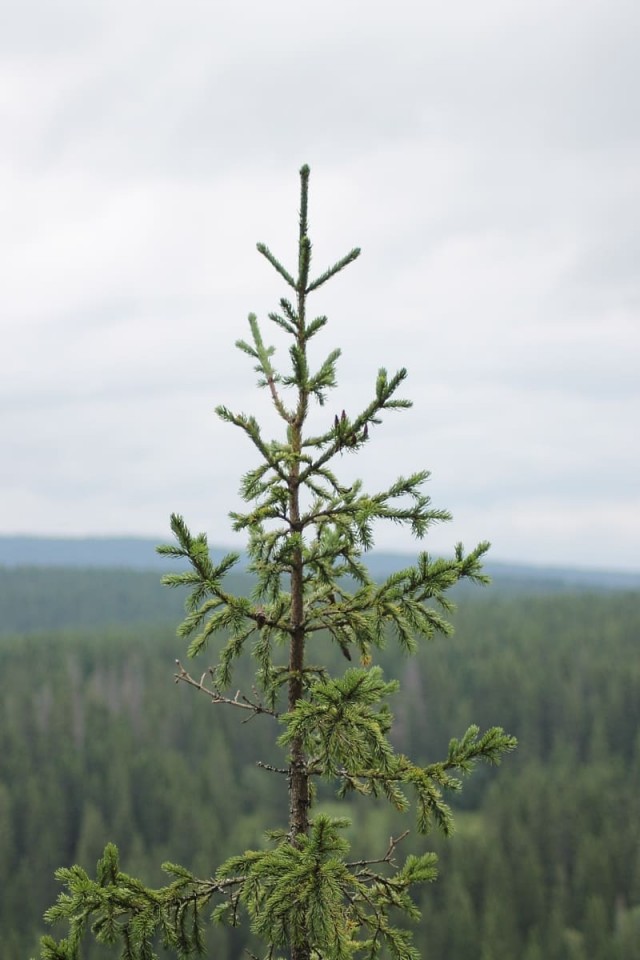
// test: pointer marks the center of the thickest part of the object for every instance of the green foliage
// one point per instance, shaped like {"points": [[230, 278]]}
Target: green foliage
{"points": [[309, 892], [96, 744], [307, 533], [347, 740], [123, 911]]}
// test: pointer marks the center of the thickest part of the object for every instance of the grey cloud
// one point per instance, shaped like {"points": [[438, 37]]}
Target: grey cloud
{"points": [[186, 105], [484, 155]]}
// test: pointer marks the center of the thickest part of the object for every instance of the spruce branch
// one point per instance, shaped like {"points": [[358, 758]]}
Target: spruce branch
{"points": [[121, 910], [313, 328], [350, 434], [336, 268], [264, 250], [264, 366], [250, 426]]}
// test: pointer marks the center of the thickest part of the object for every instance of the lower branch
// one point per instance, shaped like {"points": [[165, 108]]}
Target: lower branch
{"points": [[255, 706]]}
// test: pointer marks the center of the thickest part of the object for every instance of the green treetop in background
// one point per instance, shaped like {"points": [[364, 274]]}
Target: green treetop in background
{"points": [[307, 532]]}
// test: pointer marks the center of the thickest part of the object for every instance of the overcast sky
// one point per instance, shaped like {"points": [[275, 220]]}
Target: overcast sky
{"points": [[485, 154]]}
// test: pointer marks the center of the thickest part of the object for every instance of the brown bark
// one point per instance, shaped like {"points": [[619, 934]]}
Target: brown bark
{"points": [[298, 777]]}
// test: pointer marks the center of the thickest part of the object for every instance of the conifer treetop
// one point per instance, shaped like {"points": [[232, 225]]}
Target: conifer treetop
{"points": [[308, 532]]}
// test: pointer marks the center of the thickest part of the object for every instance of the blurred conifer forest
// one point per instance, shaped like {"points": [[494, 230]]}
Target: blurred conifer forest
{"points": [[98, 744]]}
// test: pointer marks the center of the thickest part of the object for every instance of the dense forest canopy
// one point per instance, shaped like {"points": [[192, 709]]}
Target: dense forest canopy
{"points": [[37, 597], [97, 744]]}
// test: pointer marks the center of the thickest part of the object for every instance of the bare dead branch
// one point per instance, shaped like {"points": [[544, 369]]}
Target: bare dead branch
{"points": [[267, 766], [216, 696], [388, 857]]}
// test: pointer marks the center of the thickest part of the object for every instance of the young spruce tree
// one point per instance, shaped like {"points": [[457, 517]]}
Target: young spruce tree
{"points": [[307, 533]]}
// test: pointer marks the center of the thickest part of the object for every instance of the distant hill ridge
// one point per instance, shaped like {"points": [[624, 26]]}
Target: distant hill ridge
{"points": [[131, 553], [139, 553]]}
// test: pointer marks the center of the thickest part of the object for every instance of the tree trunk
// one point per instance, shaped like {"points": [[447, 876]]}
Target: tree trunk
{"points": [[298, 776]]}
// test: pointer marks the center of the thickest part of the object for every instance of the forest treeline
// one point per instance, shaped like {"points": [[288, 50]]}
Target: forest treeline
{"points": [[53, 598], [98, 743]]}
